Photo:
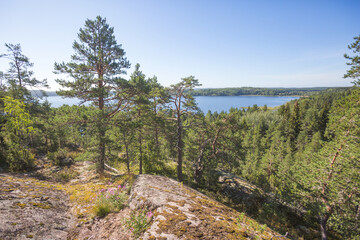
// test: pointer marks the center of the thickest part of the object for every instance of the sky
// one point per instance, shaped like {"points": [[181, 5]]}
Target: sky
{"points": [[222, 43]]}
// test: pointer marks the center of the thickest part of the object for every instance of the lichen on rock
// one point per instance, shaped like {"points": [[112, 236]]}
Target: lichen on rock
{"points": [[183, 213]]}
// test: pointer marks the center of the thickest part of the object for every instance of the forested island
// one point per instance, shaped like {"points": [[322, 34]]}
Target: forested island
{"points": [[286, 172]]}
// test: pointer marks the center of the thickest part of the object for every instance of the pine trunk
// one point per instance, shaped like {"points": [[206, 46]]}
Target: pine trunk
{"points": [[140, 151], [323, 221], [140, 146], [127, 153], [179, 149], [101, 129], [102, 151], [199, 168]]}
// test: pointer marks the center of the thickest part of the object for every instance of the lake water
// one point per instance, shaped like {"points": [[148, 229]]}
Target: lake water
{"points": [[205, 103], [224, 103]]}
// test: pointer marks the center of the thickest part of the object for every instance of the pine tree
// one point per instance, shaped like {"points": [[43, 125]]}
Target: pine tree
{"points": [[140, 108], [96, 68], [331, 176], [182, 104], [354, 71], [19, 77]]}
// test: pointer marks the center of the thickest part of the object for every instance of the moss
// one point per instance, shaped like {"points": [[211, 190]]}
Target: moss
{"points": [[172, 222], [143, 199], [21, 205], [180, 203], [83, 197], [174, 208], [204, 209], [40, 205], [7, 190]]}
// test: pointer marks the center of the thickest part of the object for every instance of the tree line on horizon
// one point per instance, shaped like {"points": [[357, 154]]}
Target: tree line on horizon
{"points": [[304, 153], [243, 91], [263, 91]]}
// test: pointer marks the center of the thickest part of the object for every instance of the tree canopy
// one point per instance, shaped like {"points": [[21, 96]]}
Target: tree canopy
{"points": [[354, 71]]}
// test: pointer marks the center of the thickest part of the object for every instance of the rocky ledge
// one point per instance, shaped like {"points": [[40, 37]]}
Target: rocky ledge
{"points": [[183, 213], [31, 209]]}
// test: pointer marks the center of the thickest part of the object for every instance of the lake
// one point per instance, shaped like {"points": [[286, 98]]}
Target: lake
{"points": [[224, 103], [205, 103]]}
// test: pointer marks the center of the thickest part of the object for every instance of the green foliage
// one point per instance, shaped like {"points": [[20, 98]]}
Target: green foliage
{"points": [[60, 156], [65, 174], [332, 178], [18, 158], [19, 118], [279, 151], [95, 70], [354, 71], [102, 209], [18, 77], [138, 221], [85, 156], [15, 136], [183, 105], [110, 200], [303, 154]]}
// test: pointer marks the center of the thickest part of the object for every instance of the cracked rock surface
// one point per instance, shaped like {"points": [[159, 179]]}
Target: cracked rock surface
{"points": [[30, 209], [183, 213]]}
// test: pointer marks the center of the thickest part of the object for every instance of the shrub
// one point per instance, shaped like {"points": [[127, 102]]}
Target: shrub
{"points": [[85, 156], [60, 158], [102, 208], [110, 200], [19, 159], [138, 221], [65, 175]]}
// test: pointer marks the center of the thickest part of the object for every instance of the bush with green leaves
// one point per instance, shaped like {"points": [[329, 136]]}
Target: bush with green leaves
{"points": [[139, 221], [110, 200], [62, 157], [15, 132], [19, 159]]}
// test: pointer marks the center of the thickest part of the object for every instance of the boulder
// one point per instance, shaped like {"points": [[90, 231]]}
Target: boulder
{"points": [[66, 161], [180, 212]]}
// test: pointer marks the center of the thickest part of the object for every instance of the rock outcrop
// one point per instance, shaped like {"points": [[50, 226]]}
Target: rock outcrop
{"points": [[30, 209], [39, 209], [183, 213]]}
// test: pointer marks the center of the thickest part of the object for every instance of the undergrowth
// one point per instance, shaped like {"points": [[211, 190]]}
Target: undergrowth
{"points": [[110, 200], [138, 222]]}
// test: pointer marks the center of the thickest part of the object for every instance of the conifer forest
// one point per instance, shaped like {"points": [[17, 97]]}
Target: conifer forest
{"points": [[303, 155]]}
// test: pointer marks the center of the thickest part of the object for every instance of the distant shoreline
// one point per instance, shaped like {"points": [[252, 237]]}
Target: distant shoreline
{"points": [[250, 91]]}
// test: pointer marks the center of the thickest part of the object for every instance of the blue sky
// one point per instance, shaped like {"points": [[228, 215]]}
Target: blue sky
{"points": [[222, 43]]}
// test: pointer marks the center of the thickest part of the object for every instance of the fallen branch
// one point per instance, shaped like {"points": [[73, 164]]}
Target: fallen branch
{"points": [[280, 236], [111, 169]]}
